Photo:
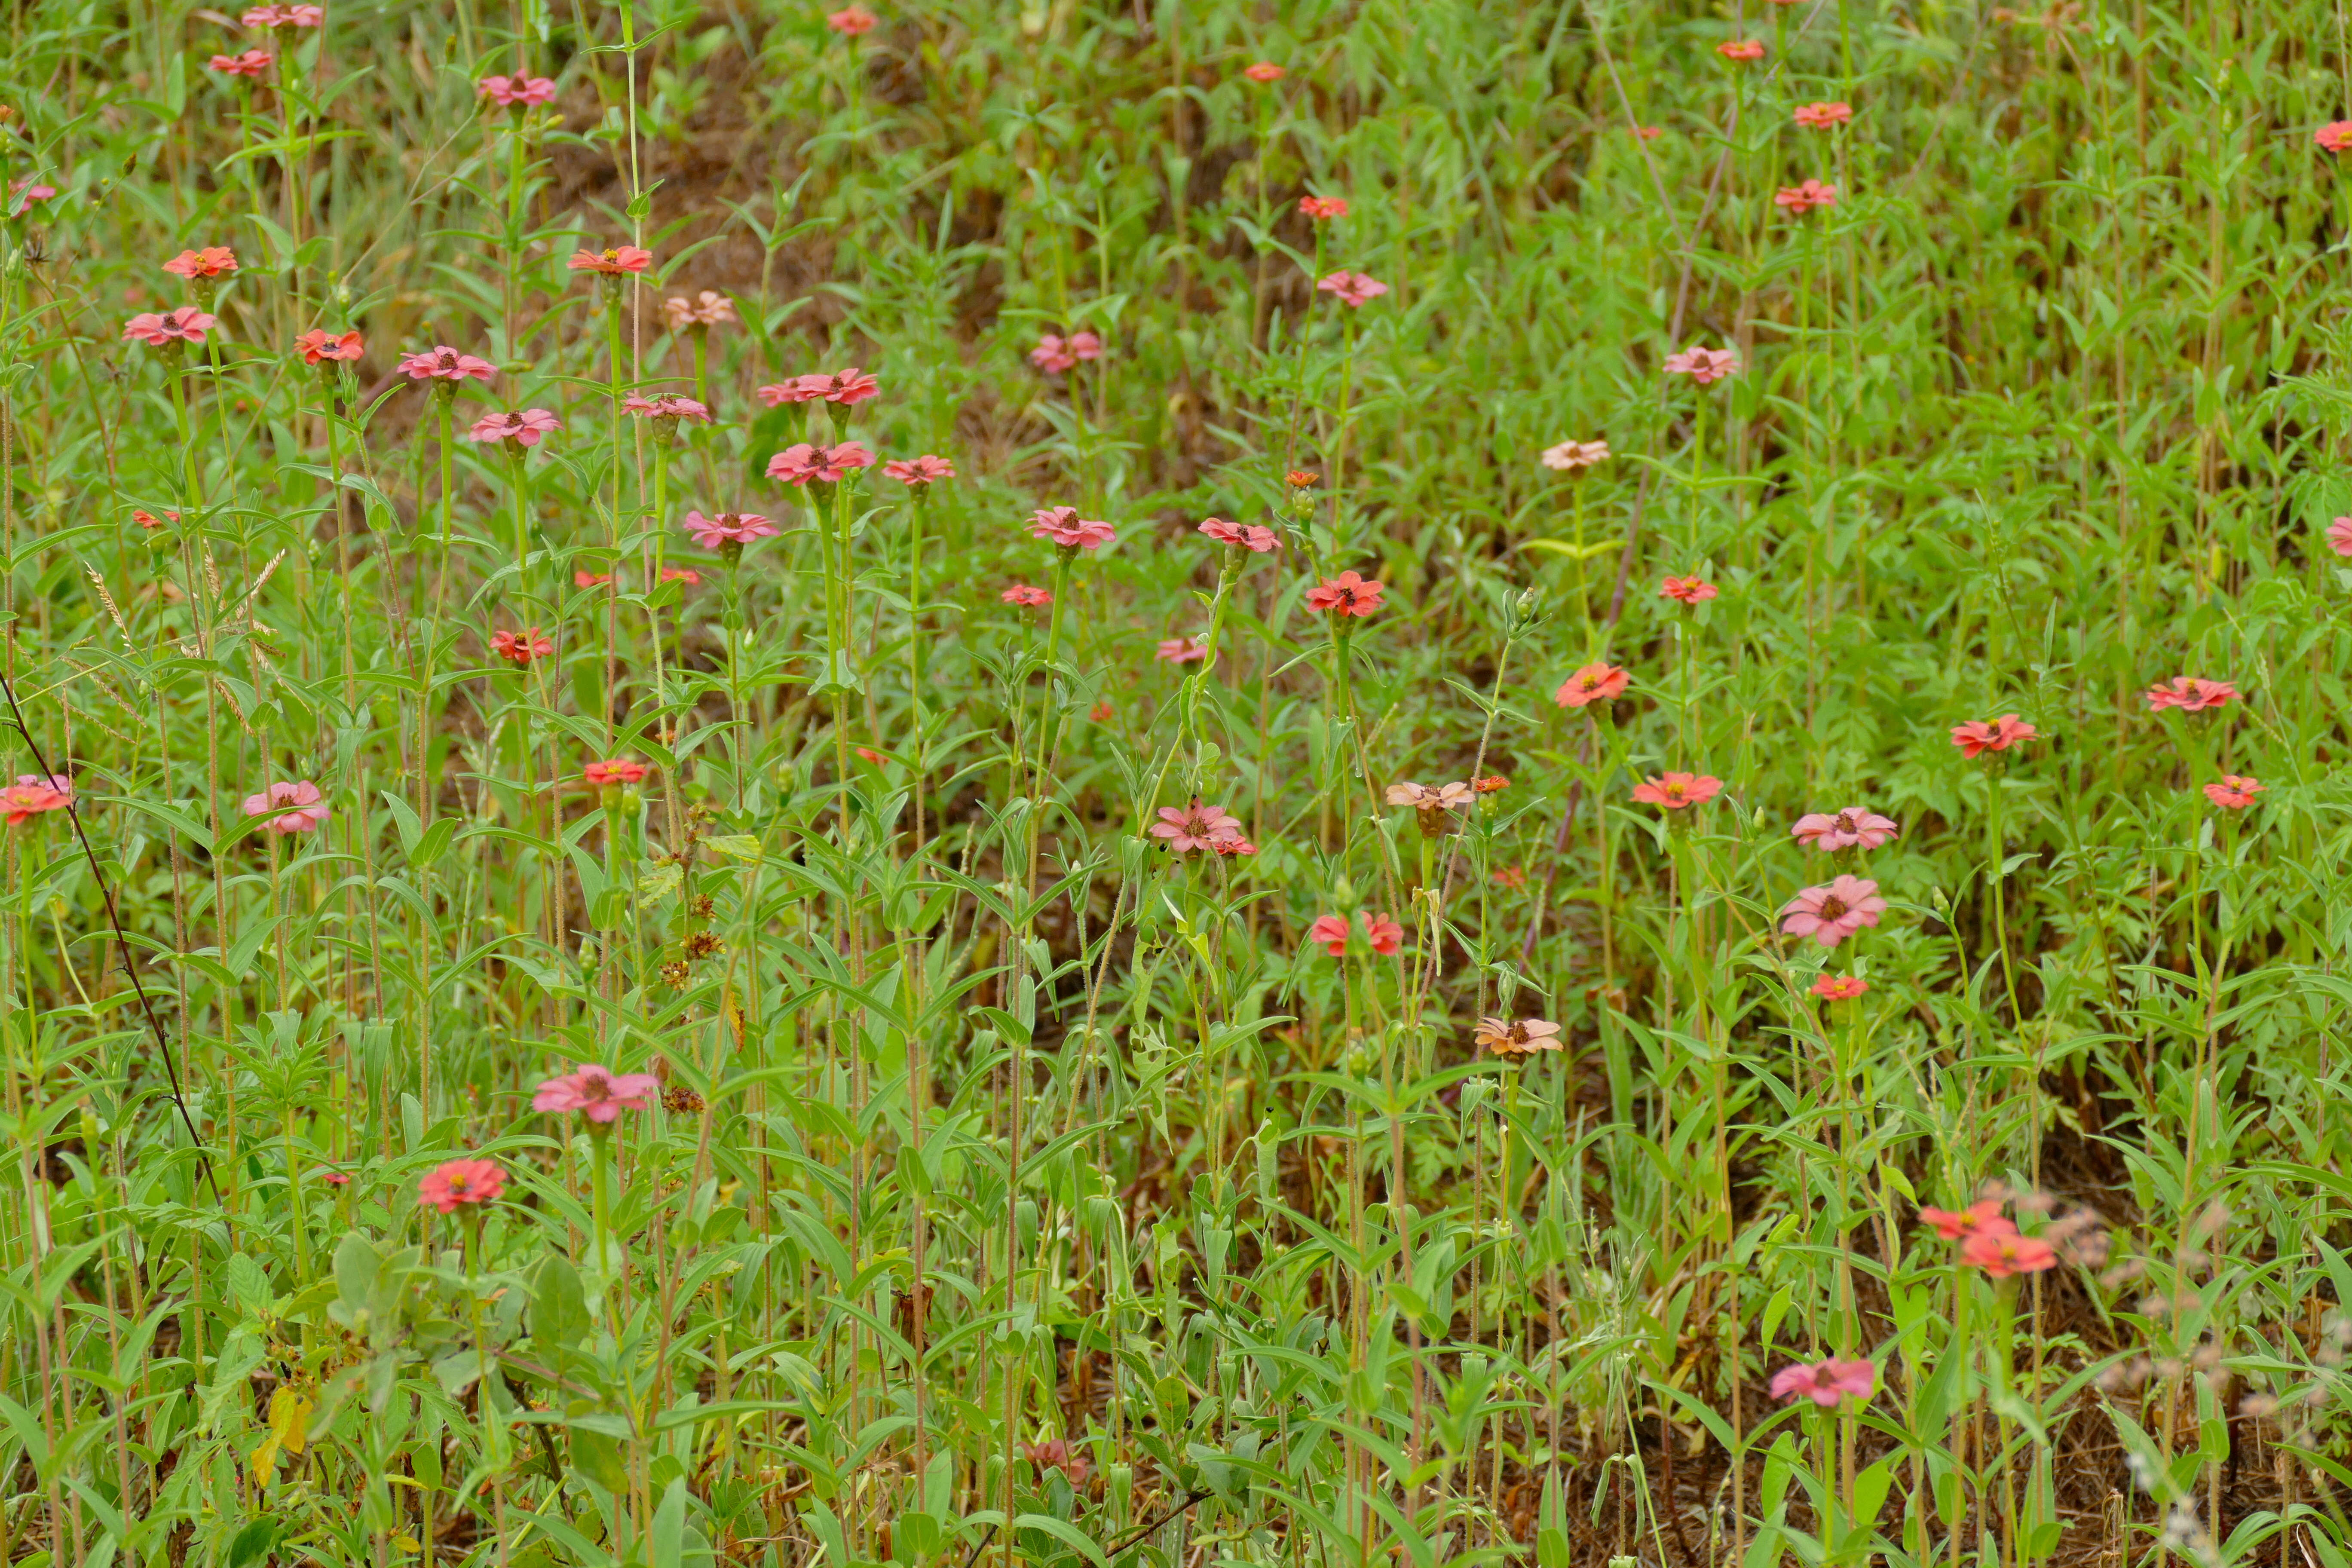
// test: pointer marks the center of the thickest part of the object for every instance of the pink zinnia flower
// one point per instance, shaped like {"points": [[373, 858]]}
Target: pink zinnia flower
{"points": [[521, 430], [1826, 1382], [211, 261], [727, 528], [461, 1183], [517, 91], [1322, 207], [1603, 683], [445, 364], [24, 193], [1353, 289], [2190, 694], [1799, 200], [1843, 988], [1677, 792], [1821, 116], [185, 325], [1248, 535], [776, 393], [586, 579], [920, 471], [1183, 650], [253, 63], [522, 647], [318, 346], [1702, 365], [284, 17], [1976, 736], [59, 784], [851, 22], [1346, 595], [28, 797], [2003, 1252], [2234, 791], [1386, 935], [1063, 526], [667, 405], [1195, 826], [1263, 72], [705, 310], [294, 806], [598, 1093], [2334, 136], [1982, 1218], [1690, 590], [1052, 355], [801, 464], [2339, 536], [1851, 828], [619, 261], [1332, 932], [1027, 597], [1574, 457], [616, 771], [1831, 913], [1741, 49], [852, 385]]}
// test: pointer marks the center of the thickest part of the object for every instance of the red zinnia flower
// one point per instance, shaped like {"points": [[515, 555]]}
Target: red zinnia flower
{"points": [[2234, 791], [1702, 365], [1833, 911], [1322, 207], [1741, 49], [1195, 826], [619, 771], [1690, 590], [1677, 792], [1843, 988], [461, 1183], [253, 63], [920, 471], [1982, 1218], [851, 22], [852, 385], [1976, 736], [318, 346], [522, 647], [1346, 595], [1183, 650], [521, 431], [729, 527], [2001, 1254], [2334, 136], [1799, 200], [1602, 683]]}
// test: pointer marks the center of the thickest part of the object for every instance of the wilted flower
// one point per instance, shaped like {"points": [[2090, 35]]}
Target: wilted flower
{"points": [[1575, 457], [1055, 1454], [1524, 1037]]}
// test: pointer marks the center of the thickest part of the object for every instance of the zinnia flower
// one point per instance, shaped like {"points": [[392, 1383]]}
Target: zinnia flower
{"points": [[1831, 913], [1740, 50], [59, 784], [798, 465], [2334, 136], [295, 806], [1346, 595], [1183, 650], [1299, 479], [2190, 694], [1385, 934], [1492, 783], [1332, 932], [666, 406], [1185, 828], [1843, 988], [252, 63], [852, 385], [851, 21], [777, 394], [517, 91], [1263, 72], [318, 346], [706, 310], [1602, 683], [24, 192], [1982, 1217], [1826, 1382], [1065, 527], [727, 528], [1704, 365], [28, 797], [2234, 791], [1522, 1038], [2003, 1252], [2339, 533], [185, 325], [586, 579], [1799, 200], [1574, 457], [443, 363], [1690, 590], [1055, 353], [1677, 792], [1024, 594], [1248, 535], [1353, 289], [522, 647], [283, 16], [919, 472], [1977, 737], [598, 1093], [619, 261], [1821, 116], [1322, 207], [1849, 829], [461, 1183], [686, 574], [616, 771], [211, 261], [521, 430]]}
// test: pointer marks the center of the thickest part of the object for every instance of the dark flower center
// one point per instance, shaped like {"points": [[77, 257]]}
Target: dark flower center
{"points": [[1833, 908]]}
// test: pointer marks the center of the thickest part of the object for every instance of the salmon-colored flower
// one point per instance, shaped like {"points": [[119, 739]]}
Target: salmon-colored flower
{"points": [[1690, 590], [1491, 785], [59, 784], [318, 346], [1980, 1218], [1346, 595], [1799, 200], [1840, 988], [1066, 528], [517, 91], [1183, 650], [2339, 536], [1704, 365], [597, 1093], [669, 405], [1852, 828], [619, 261], [846, 387], [851, 21], [1332, 932], [919, 472], [585, 579], [1826, 1382], [211, 261], [727, 528], [803, 463], [1602, 683], [2190, 694], [1677, 792], [1027, 597], [1322, 207], [290, 806], [522, 647], [616, 771], [1834, 912], [706, 310], [252, 63], [1299, 479], [1353, 289], [1515, 1037], [185, 325], [1263, 72], [28, 797], [2234, 791], [1823, 116], [686, 574], [443, 363], [1977, 737], [2334, 136], [1740, 50], [1248, 535], [1575, 457], [461, 1183], [520, 430], [1185, 828], [146, 518], [2003, 1252], [1385, 934]]}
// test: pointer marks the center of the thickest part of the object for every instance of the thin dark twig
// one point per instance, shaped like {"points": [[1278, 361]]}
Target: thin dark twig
{"points": [[122, 945]]}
